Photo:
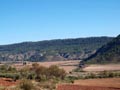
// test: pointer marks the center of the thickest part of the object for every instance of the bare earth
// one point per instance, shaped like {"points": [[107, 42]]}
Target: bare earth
{"points": [[109, 67], [66, 65], [7, 82], [73, 64], [92, 84], [79, 87], [107, 82]]}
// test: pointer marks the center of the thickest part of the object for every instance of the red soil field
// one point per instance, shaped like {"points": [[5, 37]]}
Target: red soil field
{"points": [[7, 82], [92, 84], [79, 87], [104, 82]]}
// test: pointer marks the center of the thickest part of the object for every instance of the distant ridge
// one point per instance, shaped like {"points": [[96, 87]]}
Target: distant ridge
{"points": [[53, 50], [109, 53]]}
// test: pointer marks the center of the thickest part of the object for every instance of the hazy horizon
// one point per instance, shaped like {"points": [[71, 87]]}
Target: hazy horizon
{"points": [[37, 20]]}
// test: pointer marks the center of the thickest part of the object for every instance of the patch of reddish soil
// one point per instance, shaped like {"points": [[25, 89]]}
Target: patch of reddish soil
{"points": [[104, 82], [79, 87], [7, 82]]}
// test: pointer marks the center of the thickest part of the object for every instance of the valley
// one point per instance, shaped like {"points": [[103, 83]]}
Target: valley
{"points": [[72, 64]]}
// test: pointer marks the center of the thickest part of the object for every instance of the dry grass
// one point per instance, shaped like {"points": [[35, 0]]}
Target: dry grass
{"points": [[66, 65], [109, 67]]}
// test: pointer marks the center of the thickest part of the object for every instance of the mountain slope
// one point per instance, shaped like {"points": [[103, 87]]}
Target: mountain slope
{"points": [[109, 53], [52, 50]]}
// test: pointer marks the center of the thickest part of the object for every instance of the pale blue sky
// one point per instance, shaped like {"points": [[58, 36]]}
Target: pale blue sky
{"points": [[36, 20]]}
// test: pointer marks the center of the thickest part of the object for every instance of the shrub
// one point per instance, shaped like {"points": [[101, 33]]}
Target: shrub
{"points": [[43, 73], [78, 70], [71, 79], [24, 72], [55, 71], [6, 68], [26, 85], [14, 76], [31, 76]]}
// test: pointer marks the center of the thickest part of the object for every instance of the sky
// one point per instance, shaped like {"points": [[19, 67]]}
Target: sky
{"points": [[36, 20]]}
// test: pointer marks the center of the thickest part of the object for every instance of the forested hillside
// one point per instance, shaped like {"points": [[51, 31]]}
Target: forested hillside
{"points": [[52, 50], [109, 53]]}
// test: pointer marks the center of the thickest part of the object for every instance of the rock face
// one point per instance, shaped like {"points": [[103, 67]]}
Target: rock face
{"points": [[38, 56], [109, 53], [53, 50]]}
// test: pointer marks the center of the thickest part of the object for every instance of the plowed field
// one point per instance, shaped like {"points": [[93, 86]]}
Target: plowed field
{"points": [[92, 84], [79, 87]]}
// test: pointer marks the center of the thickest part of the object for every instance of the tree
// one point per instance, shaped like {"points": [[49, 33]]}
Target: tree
{"points": [[26, 85]]}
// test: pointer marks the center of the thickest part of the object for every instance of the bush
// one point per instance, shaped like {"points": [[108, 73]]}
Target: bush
{"points": [[48, 85], [26, 85], [31, 76], [71, 79], [78, 70], [106, 74], [24, 72], [14, 76], [6, 68], [43, 73], [55, 71]]}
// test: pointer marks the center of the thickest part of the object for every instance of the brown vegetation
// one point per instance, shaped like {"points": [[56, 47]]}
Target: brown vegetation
{"points": [[68, 66]]}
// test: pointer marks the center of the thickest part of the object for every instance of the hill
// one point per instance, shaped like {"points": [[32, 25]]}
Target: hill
{"points": [[52, 50], [109, 53]]}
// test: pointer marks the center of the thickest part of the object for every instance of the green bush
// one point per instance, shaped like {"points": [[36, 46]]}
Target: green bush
{"points": [[31, 76], [70, 79], [6, 68], [78, 70], [14, 76]]}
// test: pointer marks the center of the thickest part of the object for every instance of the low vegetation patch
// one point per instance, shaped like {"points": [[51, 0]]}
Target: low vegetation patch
{"points": [[38, 77], [43, 77]]}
